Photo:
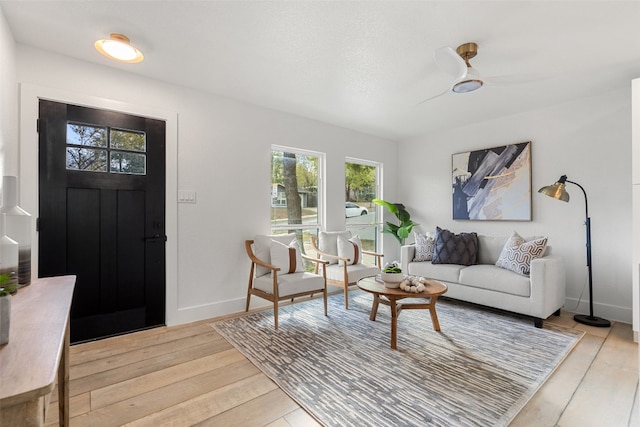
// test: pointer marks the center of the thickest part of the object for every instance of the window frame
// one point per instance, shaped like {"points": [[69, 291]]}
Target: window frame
{"points": [[310, 229], [377, 223], [320, 193], [108, 148]]}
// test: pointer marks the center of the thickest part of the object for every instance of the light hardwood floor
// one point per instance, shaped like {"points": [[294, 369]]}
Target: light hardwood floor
{"points": [[189, 375]]}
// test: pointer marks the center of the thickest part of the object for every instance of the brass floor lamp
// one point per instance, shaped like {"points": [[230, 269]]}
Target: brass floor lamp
{"points": [[557, 191]]}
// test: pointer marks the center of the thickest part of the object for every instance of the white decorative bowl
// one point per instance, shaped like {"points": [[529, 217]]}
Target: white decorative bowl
{"points": [[391, 280]]}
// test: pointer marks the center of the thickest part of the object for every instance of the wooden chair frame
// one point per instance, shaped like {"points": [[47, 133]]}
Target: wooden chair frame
{"points": [[275, 296], [344, 283]]}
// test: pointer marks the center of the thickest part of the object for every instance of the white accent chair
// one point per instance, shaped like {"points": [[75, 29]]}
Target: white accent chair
{"points": [[277, 272], [342, 270]]}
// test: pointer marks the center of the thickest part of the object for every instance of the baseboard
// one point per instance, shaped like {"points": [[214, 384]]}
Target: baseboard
{"points": [[209, 311], [225, 308], [610, 312]]}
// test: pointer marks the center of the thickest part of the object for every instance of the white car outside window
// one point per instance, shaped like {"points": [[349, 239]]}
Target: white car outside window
{"points": [[351, 209]]}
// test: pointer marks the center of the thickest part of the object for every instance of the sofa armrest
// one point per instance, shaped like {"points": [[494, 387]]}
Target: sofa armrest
{"points": [[548, 283], [407, 253]]}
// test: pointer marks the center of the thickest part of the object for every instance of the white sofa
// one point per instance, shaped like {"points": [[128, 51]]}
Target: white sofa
{"points": [[539, 295]]}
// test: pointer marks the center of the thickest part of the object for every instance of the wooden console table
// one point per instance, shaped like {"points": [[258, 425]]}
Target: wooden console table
{"points": [[37, 350]]}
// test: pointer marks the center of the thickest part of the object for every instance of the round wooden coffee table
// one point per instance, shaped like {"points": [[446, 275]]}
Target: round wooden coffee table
{"points": [[433, 289]]}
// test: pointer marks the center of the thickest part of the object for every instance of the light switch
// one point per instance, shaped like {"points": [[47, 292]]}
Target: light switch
{"points": [[186, 196]]}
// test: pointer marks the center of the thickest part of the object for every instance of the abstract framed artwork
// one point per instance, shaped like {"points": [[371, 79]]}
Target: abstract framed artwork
{"points": [[493, 184]]}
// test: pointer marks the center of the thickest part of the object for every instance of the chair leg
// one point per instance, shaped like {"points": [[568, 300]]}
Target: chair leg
{"points": [[248, 297], [324, 295], [346, 296], [251, 272], [275, 314]]}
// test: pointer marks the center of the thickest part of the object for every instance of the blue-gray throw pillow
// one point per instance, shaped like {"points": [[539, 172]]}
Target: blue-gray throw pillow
{"points": [[453, 248]]}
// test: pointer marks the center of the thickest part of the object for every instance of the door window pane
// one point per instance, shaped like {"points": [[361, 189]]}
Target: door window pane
{"points": [[124, 150], [133, 163], [91, 136], [128, 140], [86, 159]]}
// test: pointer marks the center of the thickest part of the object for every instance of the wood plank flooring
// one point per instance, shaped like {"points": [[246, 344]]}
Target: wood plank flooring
{"points": [[189, 375]]}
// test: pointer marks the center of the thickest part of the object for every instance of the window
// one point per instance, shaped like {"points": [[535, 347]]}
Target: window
{"points": [[361, 187], [103, 149], [295, 199]]}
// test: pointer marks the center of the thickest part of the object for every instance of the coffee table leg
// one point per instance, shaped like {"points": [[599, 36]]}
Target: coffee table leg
{"points": [[434, 316], [394, 323], [374, 308]]}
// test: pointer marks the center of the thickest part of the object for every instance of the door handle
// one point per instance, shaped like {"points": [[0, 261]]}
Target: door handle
{"points": [[156, 238]]}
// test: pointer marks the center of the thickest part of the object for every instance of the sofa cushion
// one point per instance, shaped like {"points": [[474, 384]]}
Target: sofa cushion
{"points": [[424, 247], [517, 253], [262, 248], [355, 272], [350, 248], [453, 248], [287, 257], [445, 272], [496, 279], [489, 248], [328, 243], [290, 284]]}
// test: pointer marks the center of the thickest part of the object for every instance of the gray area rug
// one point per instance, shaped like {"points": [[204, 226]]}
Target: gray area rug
{"points": [[479, 370]]}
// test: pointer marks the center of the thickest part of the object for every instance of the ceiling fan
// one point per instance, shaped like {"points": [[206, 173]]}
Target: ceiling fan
{"points": [[467, 79]]}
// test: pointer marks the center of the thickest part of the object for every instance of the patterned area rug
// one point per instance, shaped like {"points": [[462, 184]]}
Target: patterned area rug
{"points": [[479, 370]]}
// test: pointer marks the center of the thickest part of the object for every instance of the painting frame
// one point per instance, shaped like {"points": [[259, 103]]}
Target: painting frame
{"points": [[492, 184]]}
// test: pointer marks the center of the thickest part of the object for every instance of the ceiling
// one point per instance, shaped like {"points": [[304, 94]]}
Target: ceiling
{"points": [[363, 65]]}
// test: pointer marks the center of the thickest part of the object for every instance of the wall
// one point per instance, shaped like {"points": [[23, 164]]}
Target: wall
{"points": [[8, 101], [635, 267], [589, 140], [222, 152]]}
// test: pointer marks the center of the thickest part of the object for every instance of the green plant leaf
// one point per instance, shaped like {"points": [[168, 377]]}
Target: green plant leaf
{"points": [[4, 278], [8, 290], [391, 206], [399, 231]]}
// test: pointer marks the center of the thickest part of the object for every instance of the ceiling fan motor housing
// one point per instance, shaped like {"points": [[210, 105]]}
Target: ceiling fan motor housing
{"points": [[467, 51], [471, 81]]}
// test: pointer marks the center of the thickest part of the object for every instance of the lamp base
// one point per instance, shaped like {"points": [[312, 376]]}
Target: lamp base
{"points": [[592, 320]]}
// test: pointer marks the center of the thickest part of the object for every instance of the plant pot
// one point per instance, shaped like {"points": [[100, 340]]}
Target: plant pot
{"points": [[391, 280], [5, 318]]}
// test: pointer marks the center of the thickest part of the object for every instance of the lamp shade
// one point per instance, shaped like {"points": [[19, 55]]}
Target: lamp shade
{"points": [[557, 190]]}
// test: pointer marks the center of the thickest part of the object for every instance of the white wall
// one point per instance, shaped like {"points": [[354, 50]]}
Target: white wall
{"points": [[222, 152], [589, 140], [8, 101], [635, 267]]}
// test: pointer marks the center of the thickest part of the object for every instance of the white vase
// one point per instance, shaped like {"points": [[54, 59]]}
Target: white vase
{"points": [[18, 227], [5, 319], [8, 253]]}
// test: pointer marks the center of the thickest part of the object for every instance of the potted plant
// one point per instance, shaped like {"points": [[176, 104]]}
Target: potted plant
{"points": [[392, 275], [5, 306], [402, 230]]}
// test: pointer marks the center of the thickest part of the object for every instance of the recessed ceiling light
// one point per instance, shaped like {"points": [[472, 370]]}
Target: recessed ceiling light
{"points": [[118, 47]]}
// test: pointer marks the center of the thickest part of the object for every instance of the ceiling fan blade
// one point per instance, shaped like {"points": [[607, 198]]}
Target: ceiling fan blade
{"points": [[433, 97], [450, 62]]}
